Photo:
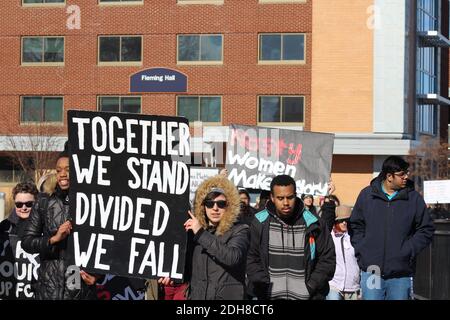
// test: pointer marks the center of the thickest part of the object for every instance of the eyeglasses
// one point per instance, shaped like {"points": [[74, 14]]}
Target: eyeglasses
{"points": [[28, 204], [401, 174], [220, 203], [346, 220]]}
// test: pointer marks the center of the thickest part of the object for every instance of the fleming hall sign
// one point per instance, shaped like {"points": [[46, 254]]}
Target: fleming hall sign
{"points": [[158, 80]]}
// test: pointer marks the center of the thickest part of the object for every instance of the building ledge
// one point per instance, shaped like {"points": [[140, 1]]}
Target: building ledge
{"points": [[433, 38], [433, 98]]}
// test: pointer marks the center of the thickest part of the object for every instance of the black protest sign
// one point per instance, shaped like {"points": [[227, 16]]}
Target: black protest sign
{"points": [[255, 155], [121, 288], [18, 269], [197, 176], [129, 193]]}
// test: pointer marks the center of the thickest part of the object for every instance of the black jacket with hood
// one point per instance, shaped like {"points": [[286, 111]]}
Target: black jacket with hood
{"points": [[216, 267], [40, 227], [320, 258], [389, 234]]}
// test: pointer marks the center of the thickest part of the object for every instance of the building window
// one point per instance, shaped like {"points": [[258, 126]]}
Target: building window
{"points": [[42, 109], [427, 117], [42, 2], [120, 50], [119, 104], [200, 1], [427, 15], [200, 49], [43, 50], [282, 48], [281, 109], [200, 108], [121, 2]]}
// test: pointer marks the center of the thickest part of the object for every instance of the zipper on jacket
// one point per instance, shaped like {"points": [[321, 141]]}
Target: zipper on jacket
{"points": [[345, 263], [385, 238]]}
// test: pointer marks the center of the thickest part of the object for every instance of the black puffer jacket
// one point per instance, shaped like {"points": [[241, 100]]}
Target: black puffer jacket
{"points": [[39, 229]]}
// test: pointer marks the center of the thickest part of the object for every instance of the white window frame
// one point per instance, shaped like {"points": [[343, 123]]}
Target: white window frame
{"points": [[61, 123], [198, 108], [281, 123], [200, 62], [282, 61], [34, 5], [121, 3], [120, 63], [120, 106], [184, 2], [43, 63]]}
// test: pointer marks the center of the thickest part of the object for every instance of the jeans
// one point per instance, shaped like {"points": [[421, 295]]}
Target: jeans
{"points": [[335, 294], [374, 287]]}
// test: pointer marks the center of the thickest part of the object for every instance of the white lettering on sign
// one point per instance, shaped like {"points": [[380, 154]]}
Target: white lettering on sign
{"points": [[166, 77]]}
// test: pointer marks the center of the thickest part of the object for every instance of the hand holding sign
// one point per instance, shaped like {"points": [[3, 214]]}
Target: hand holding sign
{"points": [[331, 187], [62, 233], [88, 278], [166, 281], [192, 223]]}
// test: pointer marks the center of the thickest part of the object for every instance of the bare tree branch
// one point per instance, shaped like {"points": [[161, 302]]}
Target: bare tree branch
{"points": [[34, 152]]}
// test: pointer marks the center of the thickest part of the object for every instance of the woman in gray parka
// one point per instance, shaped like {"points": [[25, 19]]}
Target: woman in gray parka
{"points": [[216, 267]]}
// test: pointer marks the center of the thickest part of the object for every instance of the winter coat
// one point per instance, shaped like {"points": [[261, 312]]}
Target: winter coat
{"points": [[320, 259], [389, 234], [13, 224], [347, 274], [216, 267], [54, 258]]}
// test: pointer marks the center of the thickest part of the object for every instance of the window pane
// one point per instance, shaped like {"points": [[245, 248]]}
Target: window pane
{"points": [[270, 47], [109, 104], [292, 109], [131, 105], [188, 48], [54, 49], [109, 49], [54, 1], [53, 109], [33, 1], [31, 109], [188, 108], [293, 47], [210, 109], [131, 49], [269, 109], [32, 50], [211, 48]]}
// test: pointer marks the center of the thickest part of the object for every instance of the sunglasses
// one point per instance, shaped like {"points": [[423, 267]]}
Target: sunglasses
{"points": [[343, 220], [220, 203], [28, 204]]}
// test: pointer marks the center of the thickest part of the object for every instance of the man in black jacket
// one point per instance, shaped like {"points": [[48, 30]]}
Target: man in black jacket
{"points": [[389, 226], [291, 253]]}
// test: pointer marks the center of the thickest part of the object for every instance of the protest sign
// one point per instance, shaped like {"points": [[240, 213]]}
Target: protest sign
{"points": [[436, 191], [257, 154], [121, 288], [18, 269], [129, 193], [198, 175]]}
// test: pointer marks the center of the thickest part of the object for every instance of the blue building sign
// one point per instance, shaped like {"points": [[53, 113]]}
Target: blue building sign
{"points": [[158, 80]]}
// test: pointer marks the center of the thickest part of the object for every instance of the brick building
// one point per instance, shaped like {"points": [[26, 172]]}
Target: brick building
{"points": [[346, 67]]}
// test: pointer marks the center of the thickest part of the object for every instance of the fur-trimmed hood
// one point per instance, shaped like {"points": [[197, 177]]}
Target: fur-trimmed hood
{"points": [[232, 196]]}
